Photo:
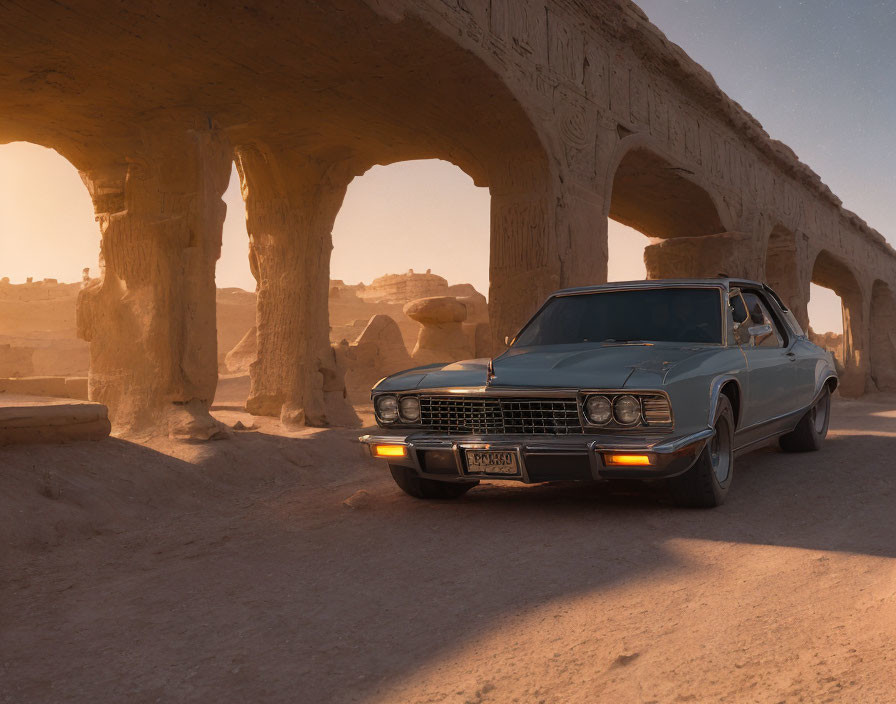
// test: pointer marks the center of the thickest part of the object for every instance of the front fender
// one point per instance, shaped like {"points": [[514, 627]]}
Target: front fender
{"points": [[715, 394]]}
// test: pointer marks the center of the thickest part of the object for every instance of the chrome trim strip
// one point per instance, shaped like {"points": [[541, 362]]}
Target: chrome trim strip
{"points": [[517, 390], [775, 419]]}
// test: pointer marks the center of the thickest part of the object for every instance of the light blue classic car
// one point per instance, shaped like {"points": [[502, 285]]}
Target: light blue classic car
{"points": [[650, 380]]}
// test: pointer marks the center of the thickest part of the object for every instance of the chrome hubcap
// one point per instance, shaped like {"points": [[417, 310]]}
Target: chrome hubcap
{"points": [[720, 451]]}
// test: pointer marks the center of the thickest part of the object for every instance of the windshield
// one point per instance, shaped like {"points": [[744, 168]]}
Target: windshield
{"points": [[655, 315]]}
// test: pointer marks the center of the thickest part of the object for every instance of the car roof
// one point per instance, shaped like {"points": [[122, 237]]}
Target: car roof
{"points": [[716, 282]]}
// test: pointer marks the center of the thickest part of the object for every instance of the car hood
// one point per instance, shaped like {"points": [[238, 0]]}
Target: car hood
{"points": [[587, 365]]}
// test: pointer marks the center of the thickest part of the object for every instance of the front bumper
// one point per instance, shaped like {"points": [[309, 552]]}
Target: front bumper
{"points": [[541, 459]]}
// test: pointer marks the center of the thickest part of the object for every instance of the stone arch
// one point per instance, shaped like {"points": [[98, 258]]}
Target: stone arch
{"points": [[649, 192], [883, 336], [156, 165], [295, 173], [829, 271], [675, 207], [782, 271]]}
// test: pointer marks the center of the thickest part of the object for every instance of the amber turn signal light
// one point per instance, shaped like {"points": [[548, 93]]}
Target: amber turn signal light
{"points": [[389, 451], [626, 460]]}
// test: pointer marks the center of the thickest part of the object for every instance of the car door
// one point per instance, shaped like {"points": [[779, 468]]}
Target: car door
{"points": [[770, 363], [802, 353]]}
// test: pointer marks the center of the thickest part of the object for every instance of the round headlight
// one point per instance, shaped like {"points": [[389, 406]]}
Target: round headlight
{"points": [[627, 410], [387, 409], [598, 410], [410, 409]]}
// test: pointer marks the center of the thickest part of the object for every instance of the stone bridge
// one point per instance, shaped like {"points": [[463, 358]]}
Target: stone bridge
{"points": [[569, 111]]}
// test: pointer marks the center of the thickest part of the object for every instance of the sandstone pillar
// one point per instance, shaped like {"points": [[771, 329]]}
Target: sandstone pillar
{"points": [[150, 318], [730, 253], [856, 341], [291, 203], [525, 265], [582, 231], [799, 305], [883, 337]]}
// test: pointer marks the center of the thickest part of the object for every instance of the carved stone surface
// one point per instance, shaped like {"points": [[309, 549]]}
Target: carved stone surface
{"points": [[727, 253], [150, 319]]}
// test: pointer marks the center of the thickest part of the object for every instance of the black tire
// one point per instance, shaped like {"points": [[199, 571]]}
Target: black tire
{"points": [[812, 429], [420, 488], [701, 486]]}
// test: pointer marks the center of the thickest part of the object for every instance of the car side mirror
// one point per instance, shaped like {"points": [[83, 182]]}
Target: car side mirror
{"points": [[507, 340], [758, 331]]}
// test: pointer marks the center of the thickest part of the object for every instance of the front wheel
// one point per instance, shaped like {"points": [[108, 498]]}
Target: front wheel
{"points": [[421, 488], [706, 483], [812, 428]]}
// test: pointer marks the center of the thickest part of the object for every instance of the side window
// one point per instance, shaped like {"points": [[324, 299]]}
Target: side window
{"points": [[759, 315], [740, 317], [738, 309]]}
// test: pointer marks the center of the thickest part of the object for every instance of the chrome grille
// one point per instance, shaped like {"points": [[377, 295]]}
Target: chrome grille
{"points": [[484, 416]]}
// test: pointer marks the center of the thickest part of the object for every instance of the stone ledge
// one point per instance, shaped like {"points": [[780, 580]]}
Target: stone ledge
{"points": [[38, 419]]}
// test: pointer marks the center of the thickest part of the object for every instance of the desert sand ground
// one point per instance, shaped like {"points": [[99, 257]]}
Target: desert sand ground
{"points": [[236, 571]]}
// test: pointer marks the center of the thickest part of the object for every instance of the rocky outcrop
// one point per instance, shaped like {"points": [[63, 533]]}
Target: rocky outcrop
{"points": [[377, 352], [240, 358], [401, 288], [442, 337]]}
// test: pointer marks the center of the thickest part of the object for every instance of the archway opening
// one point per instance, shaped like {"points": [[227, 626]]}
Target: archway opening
{"points": [[49, 246], [660, 215], [844, 341], [825, 327], [625, 252], [883, 337], [235, 303], [407, 231]]}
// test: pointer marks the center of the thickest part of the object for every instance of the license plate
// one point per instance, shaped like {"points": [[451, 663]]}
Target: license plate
{"points": [[492, 462]]}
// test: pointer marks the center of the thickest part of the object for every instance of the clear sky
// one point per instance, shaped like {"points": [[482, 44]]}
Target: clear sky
{"points": [[819, 75]]}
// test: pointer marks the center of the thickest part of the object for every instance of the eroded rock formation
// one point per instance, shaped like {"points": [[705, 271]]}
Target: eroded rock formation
{"points": [[442, 337], [377, 352], [401, 288]]}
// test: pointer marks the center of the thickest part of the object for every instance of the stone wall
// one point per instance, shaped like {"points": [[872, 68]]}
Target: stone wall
{"points": [[569, 111]]}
